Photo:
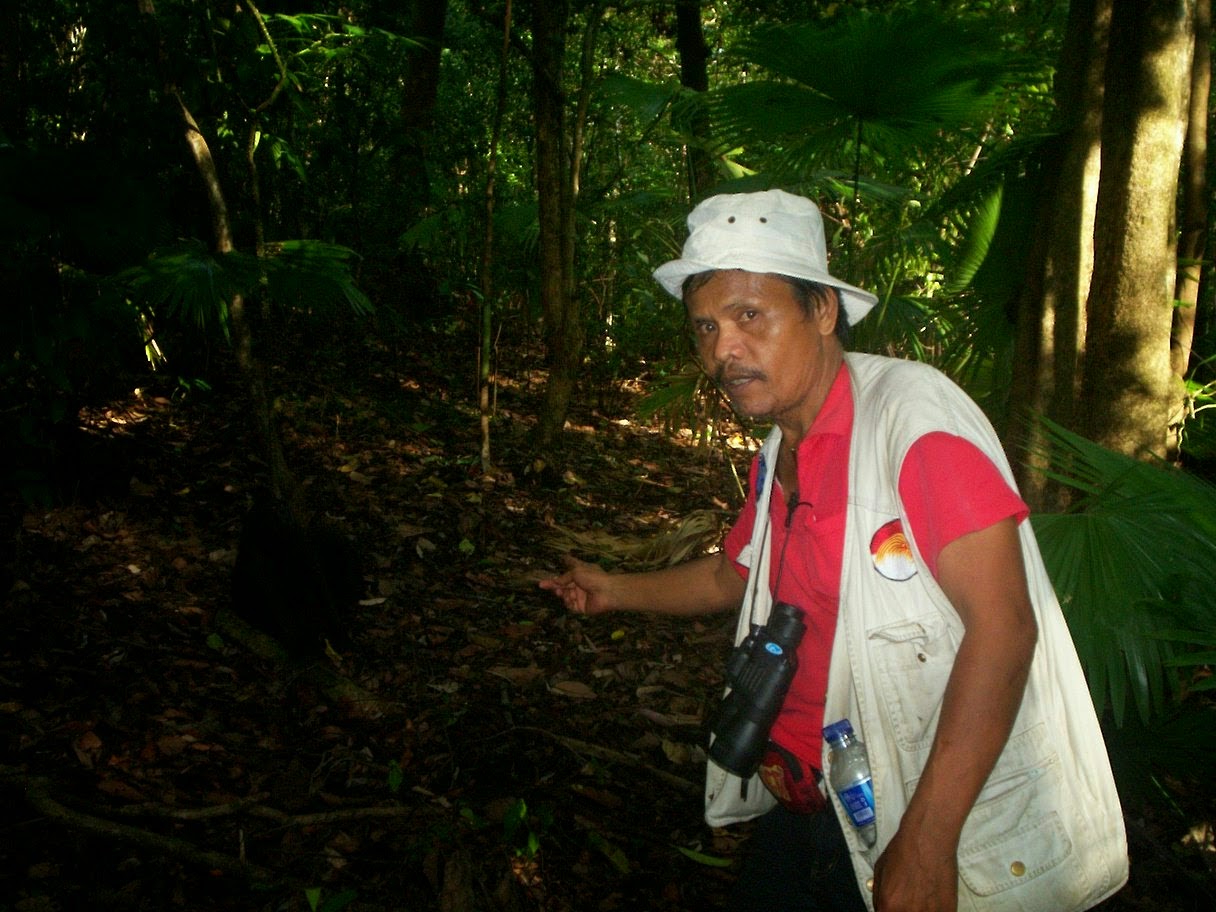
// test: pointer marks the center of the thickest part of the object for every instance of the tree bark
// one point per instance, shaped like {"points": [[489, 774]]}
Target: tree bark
{"points": [[1193, 238], [694, 74], [282, 481], [563, 328], [422, 21], [1129, 393], [1051, 308], [485, 376], [12, 99]]}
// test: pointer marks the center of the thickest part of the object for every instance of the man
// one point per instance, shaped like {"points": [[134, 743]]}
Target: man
{"points": [[894, 526]]}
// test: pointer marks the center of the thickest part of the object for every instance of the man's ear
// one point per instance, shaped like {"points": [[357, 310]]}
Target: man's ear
{"points": [[827, 311]]}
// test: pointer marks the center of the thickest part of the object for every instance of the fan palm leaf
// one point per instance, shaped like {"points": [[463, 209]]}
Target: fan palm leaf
{"points": [[192, 283], [878, 84], [1134, 564]]}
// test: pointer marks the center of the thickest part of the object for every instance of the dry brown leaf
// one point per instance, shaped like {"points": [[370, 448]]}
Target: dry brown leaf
{"points": [[691, 536], [88, 749], [576, 689], [517, 676]]}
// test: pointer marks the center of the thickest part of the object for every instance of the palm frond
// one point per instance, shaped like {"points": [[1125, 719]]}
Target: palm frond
{"points": [[1136, 556], [981, 228], [906, 324], [187, 282], [314, 276], [647, 100], [687, 538], [191, 283], [1147, 759], [894, 80]]}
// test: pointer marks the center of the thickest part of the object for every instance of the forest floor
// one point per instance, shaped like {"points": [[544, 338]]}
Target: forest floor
{"points": [[498, 754]]}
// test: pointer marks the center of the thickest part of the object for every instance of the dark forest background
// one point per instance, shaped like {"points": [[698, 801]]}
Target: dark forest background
{"points": [[334, 322]]}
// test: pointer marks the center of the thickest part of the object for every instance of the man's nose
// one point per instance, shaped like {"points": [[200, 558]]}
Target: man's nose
{"points": [[726, 343]]}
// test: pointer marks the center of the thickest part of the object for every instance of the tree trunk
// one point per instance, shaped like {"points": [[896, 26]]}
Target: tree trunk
{"points": [[1129, 393], [283, 482], [694, 74], [422, 21], [563, 327], [1193, 238], [11, 56], [485, 376], [1051, 307]]}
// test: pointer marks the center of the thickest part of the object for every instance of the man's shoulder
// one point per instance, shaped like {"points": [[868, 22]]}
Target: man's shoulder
{"points": [[893, 375]]}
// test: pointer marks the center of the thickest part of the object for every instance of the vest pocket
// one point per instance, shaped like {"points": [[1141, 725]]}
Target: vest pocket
{"points": [[1015, 836], [1019, 857], [913, 659]]}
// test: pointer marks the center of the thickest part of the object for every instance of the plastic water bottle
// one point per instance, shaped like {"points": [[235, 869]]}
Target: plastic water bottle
{"points": [[850, 778]]}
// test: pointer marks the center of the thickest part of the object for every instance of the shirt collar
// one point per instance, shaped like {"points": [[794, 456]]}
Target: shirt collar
{"points": [[836, 414]]}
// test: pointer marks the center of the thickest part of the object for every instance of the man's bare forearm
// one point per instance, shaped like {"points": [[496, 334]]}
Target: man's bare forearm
{"points": [[706, 585]]}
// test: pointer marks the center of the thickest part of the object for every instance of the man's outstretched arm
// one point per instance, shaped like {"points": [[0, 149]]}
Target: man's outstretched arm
{"points": [[705, 585]]}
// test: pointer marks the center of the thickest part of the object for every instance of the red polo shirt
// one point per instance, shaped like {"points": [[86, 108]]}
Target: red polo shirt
{"points": [[948, 487]]}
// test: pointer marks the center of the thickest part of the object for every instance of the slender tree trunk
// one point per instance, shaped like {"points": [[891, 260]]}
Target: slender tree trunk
{"points": [[1051, 307], [12, 99], [563, 327], [283, 483], [694, 74], [1193, 238], [1129, 390], [422, 21], [282, 480], [485, 374]]}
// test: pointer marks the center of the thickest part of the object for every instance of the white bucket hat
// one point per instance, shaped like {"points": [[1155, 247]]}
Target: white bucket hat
{"points": [[772, 232]]}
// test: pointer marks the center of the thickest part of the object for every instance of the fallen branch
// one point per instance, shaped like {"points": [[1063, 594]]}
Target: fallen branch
{"points": [[37, 795], [251, 808], [679, 783]]}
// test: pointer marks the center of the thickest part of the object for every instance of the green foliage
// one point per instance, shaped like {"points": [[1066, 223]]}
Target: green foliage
{"points": [[313, 275], [615, 855], [1198, 431], [1199, 662], [522, 830], [334, 903], [878, 85], [701, 858], [396, 777], [1134, 564], [193, 284]]}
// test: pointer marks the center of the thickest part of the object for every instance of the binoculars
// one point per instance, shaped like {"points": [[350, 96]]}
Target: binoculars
{"points": [[759, 671]]}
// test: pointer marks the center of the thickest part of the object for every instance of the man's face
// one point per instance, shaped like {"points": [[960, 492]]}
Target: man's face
{"points": [[772, 358]]}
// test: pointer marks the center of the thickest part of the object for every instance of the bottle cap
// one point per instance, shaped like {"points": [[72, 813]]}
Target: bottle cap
{"points": [[837, 730]]}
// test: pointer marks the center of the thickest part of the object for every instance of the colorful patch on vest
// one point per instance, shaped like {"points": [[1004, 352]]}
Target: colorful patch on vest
{"points": [[891, 553]]}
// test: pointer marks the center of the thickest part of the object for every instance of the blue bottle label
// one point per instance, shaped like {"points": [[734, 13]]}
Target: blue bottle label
{"points": [[858, 800]]}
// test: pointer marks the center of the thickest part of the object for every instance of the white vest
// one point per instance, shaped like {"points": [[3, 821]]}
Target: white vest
{"points": [[1046, 833]]}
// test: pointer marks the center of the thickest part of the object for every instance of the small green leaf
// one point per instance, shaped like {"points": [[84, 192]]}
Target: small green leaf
{"points": [[472, 817], [395, 777], [712, 861], [611, 852], [514, 817], [338, 901], [215, 641]]}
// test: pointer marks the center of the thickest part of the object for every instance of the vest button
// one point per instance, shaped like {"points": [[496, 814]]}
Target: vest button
{"points": [[1017, 869]]}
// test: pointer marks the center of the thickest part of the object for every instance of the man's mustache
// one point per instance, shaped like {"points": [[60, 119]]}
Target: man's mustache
{"points": [[724, 376]]}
